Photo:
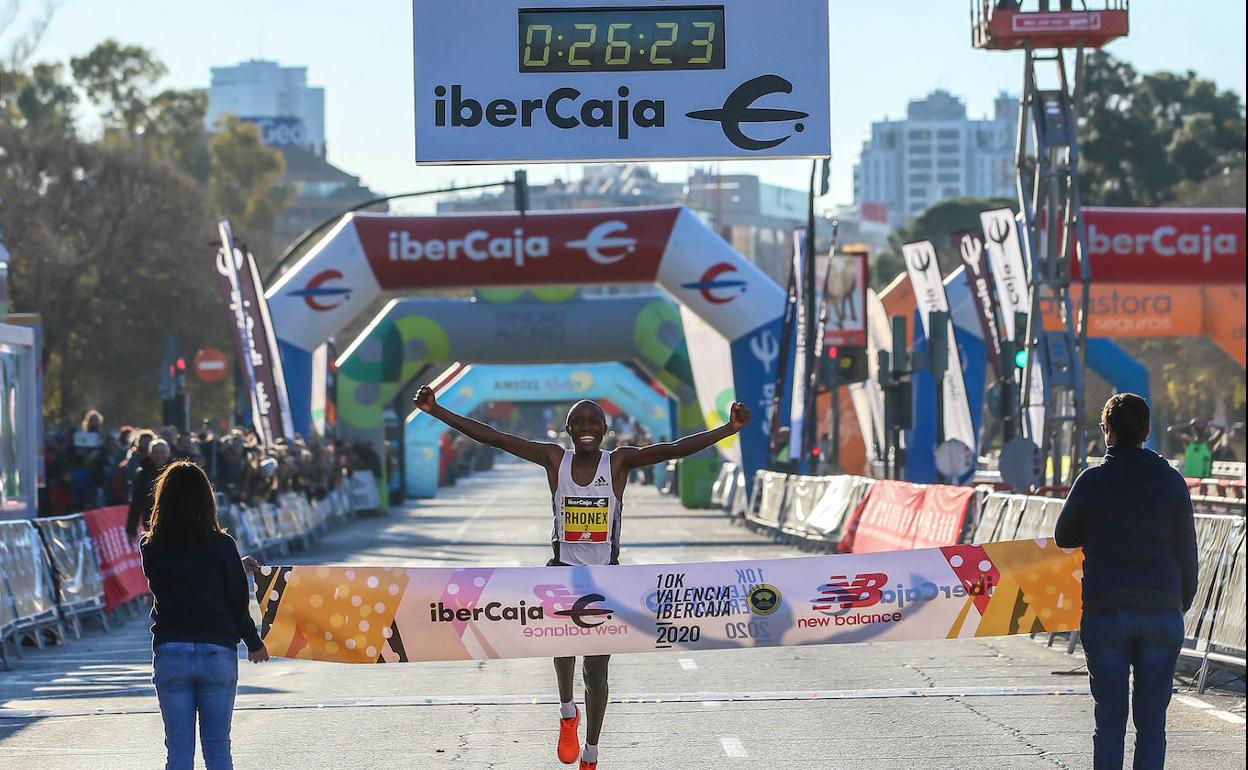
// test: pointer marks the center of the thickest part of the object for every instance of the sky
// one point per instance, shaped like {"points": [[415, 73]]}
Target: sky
{"points": [[883, 55]]}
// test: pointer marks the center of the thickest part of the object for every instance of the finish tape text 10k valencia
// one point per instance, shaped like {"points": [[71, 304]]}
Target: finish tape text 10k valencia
{"points": [[399, 615]]}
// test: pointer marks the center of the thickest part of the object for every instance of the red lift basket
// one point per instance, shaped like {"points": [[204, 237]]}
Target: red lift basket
{"points": [[998, 26]]}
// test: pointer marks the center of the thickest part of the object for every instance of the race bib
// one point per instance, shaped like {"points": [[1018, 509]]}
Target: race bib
{"points": [[585, 519]]}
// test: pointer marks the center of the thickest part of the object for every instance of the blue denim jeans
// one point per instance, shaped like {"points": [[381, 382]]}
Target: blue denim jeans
{"points": [[1117, 644], [196, 679]]}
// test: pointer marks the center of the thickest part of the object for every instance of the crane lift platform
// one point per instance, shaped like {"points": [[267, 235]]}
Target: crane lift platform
{"points": [[998, 25], [1053, 35]]}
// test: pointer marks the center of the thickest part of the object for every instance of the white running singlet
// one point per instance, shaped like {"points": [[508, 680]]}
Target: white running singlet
{"points": [[587, 518]]}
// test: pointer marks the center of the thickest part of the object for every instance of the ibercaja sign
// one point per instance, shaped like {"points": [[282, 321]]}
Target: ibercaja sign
{"points": [[581, 80]]}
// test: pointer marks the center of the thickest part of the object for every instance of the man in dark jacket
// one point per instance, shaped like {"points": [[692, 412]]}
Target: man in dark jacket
{"points": [[1132, 516], [142, 494]]}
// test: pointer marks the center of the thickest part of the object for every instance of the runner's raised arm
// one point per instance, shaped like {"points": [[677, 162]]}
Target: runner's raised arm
{"points": [[637, 457], [542, 453]]}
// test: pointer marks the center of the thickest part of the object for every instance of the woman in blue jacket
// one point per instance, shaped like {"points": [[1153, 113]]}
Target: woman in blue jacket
{"points": [[1132, 515], [200, 613]]}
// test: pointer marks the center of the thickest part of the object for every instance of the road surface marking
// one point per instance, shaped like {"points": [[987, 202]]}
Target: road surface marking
{"points": [[247, 703], [1197, 703], [733, 747], [688, 664]]}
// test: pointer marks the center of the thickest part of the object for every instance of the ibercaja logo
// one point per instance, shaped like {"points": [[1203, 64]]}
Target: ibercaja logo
{"points": [[586, 612], [841, 596]]}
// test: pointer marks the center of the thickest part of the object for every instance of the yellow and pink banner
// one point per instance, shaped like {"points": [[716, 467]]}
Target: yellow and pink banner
{"points": [[354, 614]]}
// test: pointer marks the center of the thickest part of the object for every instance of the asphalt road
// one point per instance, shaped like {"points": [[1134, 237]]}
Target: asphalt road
{"points": [[887, 706]]}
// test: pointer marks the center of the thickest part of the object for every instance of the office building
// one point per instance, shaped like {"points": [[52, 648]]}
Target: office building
{"points": [[935, 153]]}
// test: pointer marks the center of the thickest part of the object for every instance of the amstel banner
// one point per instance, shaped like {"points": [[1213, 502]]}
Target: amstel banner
{"points": [[397, 615]]}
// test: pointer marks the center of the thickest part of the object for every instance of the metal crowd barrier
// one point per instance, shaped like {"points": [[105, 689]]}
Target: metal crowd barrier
{"points": [[808, 511], [75, 570], [50, 569], [812, 512], [767, 500], [26, 587], [1229, 470]]}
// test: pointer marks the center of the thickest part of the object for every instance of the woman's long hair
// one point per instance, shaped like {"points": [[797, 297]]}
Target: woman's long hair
{"points": [[184, 514]]}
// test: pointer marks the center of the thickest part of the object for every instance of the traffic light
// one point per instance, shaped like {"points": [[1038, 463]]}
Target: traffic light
{"points": [[175, 410], [843, 366], [1020, 358]]}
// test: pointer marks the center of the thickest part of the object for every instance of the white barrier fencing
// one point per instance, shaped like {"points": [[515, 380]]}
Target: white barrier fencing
{"points": [[26, 584], [841, 497], [50, 568], [75, 570], [782, 505]]}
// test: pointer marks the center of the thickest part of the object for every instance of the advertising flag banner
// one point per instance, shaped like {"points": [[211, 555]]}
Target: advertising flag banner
{"points": [[712, 376], [361, 614], [929, 293], [255, 343], [868, 396], [1009, 270], [121, 566], [797, 406], [970, 247]]}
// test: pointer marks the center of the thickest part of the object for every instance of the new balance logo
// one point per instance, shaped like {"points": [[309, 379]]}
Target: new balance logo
{"points": [[601, 481]]}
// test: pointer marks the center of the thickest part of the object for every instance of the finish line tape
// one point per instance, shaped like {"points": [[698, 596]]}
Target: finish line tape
{"points": [[400, 615]]}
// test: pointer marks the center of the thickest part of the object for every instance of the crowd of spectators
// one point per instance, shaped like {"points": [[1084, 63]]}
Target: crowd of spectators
{"points": [[91, 465]]}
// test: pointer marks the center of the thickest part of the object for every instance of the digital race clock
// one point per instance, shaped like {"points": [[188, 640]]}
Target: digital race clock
{"points": [[622, 39]]}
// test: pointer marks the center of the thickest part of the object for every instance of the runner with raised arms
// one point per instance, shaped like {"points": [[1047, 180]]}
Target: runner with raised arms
{"points": [[587, 490]]}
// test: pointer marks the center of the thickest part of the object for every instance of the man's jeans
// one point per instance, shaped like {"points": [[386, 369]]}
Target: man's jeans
{"points": [[1119, 642], [196, 679]]}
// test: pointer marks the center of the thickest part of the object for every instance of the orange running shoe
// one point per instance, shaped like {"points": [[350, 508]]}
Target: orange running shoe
{"points": [[569, 743], [589, 765]]}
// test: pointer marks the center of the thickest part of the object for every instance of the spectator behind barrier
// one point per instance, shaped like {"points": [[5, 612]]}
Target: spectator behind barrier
{"points": [[143, 496], [1133, 518], [200, 613], [103, 471]]}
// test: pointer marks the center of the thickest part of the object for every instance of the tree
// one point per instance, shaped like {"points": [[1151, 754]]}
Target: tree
{"points": [[1144, 137], [40, 100], [174, 127], [109, 237], [117, 78], [936, 224], [109, 245], [244, 184]]}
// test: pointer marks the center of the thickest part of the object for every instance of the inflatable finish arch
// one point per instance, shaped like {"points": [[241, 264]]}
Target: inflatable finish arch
{"points": [[409, 335], [464, 389], [366, 254]]}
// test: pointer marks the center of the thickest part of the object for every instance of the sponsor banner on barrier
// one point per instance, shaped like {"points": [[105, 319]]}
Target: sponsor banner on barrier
{"points": [[362, 614], [898, 514], [121, 566]]}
